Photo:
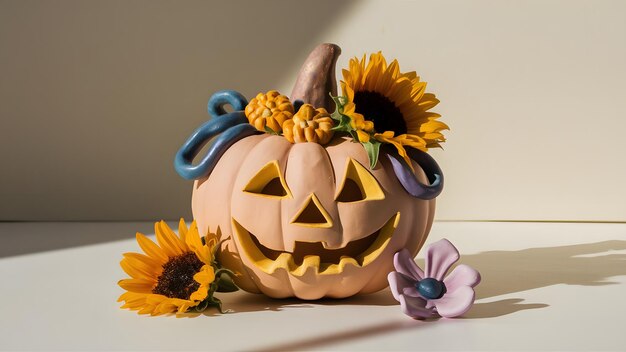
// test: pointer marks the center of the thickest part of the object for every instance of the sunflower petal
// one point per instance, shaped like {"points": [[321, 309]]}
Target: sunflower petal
{"points": [[155, 299], [150, 248], [167, 240], [138, 271], [146, 310], [137, 285], [182, 229], [143, 259], [201, 293], [363, 137], [132, 297], [205, 276], [195, 244], [166, 307]]}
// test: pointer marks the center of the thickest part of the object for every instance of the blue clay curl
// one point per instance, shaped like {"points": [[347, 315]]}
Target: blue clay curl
{"points": [[216, 103], [225, 128], [408, 180]]}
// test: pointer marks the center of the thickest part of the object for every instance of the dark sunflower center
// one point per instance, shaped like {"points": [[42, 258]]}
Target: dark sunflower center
{"points": [[382, 111], [177, 281]]}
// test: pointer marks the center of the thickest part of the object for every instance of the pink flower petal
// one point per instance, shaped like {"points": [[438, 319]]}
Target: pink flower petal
{"points": [[415, 307], [398, 283], [455, 303], [462, 275], [439, 258], [411, 292], [404, 264]]}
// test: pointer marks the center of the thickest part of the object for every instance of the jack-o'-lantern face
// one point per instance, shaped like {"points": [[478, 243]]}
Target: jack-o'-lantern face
{"points": [[309, 221], [310, 248]]}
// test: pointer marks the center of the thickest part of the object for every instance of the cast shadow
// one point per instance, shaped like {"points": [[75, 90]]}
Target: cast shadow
{"points": [[506, 272], [503, 272], [587, 264], [243, 302], [256, 302], [342, 336], [500, 308]]}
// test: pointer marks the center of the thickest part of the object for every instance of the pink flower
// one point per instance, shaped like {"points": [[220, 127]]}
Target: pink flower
{"points": [[424, 294]]}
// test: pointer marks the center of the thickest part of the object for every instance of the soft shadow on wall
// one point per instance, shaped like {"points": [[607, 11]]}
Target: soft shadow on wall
{"points": [[98, 96]]}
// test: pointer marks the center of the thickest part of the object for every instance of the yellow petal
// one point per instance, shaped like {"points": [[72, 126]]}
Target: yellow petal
{"points": [[151, 249], [195, 244], [166, 307], [167, 240], [155, 299], [129, 297], [137, 285], [363, 137], [146, 261], [182, 309], [182, 229], [205, 276], [146, 310], [138, 271], [405, 157], [349, 109], [349, 93], [211, 242], [201, 293]]}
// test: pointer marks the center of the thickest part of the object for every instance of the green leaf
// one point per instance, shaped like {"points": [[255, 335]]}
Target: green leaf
{"points": [[355, 136], [372, 148], [202, 306], [225, 283], [339, 103], [223, 271], [344, 124], [271, 131]]}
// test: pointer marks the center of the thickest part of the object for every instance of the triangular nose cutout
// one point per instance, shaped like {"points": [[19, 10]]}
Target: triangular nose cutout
{"points": [[312, 214]]}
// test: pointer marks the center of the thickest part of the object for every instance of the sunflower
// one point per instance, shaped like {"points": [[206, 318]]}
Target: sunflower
{"points": [[392, 105], [170, 277]]}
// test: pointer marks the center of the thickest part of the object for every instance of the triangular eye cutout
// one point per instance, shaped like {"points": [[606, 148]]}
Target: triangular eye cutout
{"points": [[268, 182], [359, 184], [312, 214]]}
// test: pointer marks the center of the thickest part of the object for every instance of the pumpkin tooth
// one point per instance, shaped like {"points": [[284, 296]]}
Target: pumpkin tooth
{"points": [[284, 261], [287, 262], [310, 262], [331, 269], [345, 260]]}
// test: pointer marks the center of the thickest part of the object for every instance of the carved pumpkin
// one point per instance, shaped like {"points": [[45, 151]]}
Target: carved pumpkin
{"points": [[303, 219], [309, 221]]}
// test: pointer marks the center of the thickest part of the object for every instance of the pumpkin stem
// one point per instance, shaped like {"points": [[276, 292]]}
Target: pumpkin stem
{"points": [[316, 78]]}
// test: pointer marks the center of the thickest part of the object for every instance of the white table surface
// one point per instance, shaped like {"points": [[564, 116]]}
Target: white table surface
{"points": [[546, 286]]}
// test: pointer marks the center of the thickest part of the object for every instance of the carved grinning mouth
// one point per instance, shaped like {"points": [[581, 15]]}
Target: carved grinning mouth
{"points": [[313, 255]]}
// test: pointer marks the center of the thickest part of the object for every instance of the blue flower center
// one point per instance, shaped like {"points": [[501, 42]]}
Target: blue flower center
{"points": [[431, 288]]}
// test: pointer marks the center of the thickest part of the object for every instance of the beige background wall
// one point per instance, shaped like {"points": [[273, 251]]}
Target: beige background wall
{"points": [[96, 97]]}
